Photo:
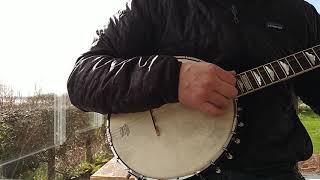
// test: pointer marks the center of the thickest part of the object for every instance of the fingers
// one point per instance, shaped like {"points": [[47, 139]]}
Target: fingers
{"points": [[234, 73], [219, 100], [211, 109], [206, 87], [222, 81], [225, 89], [226, 76], [215, 84]]}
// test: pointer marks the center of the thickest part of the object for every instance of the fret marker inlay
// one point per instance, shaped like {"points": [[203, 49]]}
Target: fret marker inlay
{"points": [[311, 57], [240, 85], [246, 82], [278, 71], [285, 67], [271, 73], [258, 78]]}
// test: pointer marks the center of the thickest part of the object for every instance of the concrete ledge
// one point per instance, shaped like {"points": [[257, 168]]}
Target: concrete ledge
{"points": [[111, 171], [317, 177]]}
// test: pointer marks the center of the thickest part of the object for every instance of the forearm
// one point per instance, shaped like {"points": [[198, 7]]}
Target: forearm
{"points": [[105, 84]]}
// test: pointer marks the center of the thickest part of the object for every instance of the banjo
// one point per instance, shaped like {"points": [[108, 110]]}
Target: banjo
{"points": [[159, 143]]}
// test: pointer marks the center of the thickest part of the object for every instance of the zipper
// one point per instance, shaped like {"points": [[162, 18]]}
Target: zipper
{"points": [[234, 11]]}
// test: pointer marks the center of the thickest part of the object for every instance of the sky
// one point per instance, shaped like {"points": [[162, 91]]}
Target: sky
{"points": [[40, 40], [316, 4]]}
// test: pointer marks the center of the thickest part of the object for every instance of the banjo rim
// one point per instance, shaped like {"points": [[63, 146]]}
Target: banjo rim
{"points": [[136, 174], [219, 154]]}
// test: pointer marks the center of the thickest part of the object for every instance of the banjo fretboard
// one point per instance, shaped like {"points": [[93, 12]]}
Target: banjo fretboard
{"points": [[277, 71]]}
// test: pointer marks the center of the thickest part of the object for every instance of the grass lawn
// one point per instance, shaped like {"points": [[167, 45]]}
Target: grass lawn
{"points": [[312, 123]]}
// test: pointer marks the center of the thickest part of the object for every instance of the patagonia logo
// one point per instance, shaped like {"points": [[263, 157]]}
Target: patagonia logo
{"points": [[274, 25]]}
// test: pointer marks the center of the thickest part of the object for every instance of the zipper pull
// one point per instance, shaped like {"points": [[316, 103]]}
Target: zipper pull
{"points": [[235, 14]]}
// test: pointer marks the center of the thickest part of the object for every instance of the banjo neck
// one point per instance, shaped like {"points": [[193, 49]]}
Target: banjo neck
{"points": [[278, 71]]}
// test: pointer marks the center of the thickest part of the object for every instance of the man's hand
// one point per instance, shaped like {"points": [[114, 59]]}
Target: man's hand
{"points": [[206, 87]]}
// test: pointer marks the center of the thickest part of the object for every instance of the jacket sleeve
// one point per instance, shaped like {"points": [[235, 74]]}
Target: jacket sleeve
{"points": [[307, 86], [121, 72]]}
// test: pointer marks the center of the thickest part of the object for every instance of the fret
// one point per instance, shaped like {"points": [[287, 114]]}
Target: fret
{"points": [[316, 50], [286, 67], [246, 81], [294, 64], [312, 57], [258, 77], [306, 56], [303, 61], [298, 62], [271, 72], [240, 86], [279, 71], [264, 75], [274, 71], [252, 80]]}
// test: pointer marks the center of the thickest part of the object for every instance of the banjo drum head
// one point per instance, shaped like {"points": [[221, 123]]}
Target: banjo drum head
{"points": [[189, 140]]}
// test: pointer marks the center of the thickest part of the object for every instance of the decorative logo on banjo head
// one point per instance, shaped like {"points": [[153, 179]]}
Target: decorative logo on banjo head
{"points": [[124, 130]]}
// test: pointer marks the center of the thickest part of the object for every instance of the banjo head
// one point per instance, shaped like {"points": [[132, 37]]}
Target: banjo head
{"points": [[188, 141]]}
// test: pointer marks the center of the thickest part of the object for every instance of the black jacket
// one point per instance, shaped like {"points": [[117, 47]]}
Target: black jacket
{"points": [[131, 66]]}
